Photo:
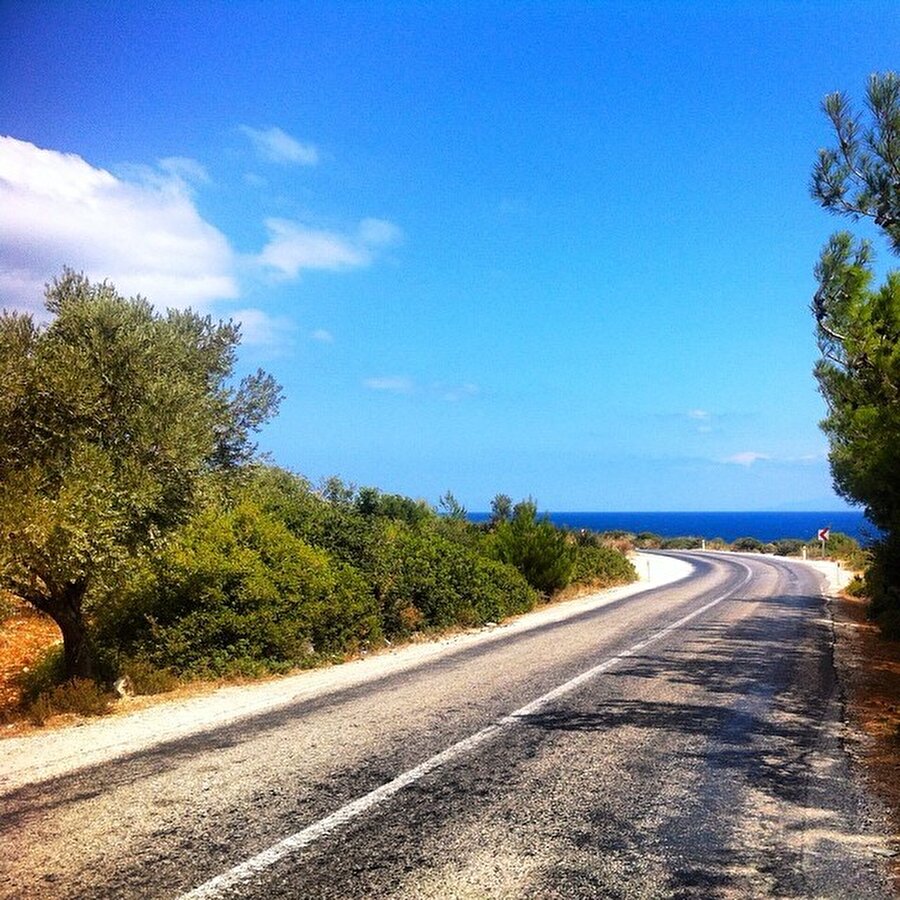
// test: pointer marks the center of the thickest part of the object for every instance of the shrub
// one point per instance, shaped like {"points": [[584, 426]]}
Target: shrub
{"points": [[601, 566], [8, 607], [682, 543], [330, 524], [425, 580], [80, 696], [747, 545], [881, 579], [536, 548], [234, 592], [623, 541], [46, 673], [787, 547], [841, 546], [145, 678], [372, 503], [647, 540]]}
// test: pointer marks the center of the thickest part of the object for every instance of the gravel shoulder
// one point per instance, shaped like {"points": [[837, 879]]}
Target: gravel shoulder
{"points": [[49, 753]]}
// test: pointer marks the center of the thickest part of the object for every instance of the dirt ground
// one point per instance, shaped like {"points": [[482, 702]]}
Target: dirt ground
{"points": [[869, 668], [24, 636]]}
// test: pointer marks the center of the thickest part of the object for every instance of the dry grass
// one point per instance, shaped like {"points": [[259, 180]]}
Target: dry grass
{"points": [[870, 670], [24, 637]]}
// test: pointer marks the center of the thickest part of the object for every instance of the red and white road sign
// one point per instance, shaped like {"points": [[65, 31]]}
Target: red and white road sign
{"points": [[823, 534]]}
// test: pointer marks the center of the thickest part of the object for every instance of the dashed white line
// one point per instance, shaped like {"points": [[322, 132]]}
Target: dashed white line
{"points": [[245, 871]]}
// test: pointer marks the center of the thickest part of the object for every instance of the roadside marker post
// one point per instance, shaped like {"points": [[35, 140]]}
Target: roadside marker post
{"points": [[824, 534]]}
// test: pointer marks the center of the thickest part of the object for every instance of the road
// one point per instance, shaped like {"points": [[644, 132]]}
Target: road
{"points": [[684, 741]]}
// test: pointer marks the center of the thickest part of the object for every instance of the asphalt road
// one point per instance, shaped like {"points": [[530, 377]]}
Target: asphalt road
{"points": [[683, 741]]}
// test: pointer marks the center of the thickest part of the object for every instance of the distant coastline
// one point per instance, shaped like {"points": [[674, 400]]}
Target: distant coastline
{"points": [[765, 526]]}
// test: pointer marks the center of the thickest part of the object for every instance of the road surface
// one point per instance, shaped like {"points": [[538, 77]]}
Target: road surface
{"points": [[684, 741]]}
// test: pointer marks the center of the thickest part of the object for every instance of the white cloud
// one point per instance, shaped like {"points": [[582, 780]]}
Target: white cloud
{"points": [[702, 420], [188, 170], [145, 235], [392, 384], [456, 392], [396, 384], [275, 145], [322, 336], [746, 458], [293, 246], [378, 233], [259, 329]]}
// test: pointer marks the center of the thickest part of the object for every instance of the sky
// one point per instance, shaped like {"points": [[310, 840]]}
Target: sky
{"points": [[559, 250]]}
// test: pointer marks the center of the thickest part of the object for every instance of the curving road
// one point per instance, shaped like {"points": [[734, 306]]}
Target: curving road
{"points": [[682, 741]]}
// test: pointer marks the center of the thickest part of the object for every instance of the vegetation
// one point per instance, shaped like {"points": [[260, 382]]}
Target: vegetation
{"points": [[271, 574], [535, 547], [138, 518], [135, 515], [748, 545], [596, 563], [858, 324], [108, 417]]}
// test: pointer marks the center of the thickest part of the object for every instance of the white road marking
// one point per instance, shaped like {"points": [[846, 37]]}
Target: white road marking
{"points": [[243, 872]]}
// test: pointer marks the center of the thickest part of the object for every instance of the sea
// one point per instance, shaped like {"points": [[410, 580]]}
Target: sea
{"points": [[764, 526]]}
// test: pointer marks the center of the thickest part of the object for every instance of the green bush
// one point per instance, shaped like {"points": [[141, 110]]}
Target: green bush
{"points": [[536, 548], [144, 678], [7, 607], [80, 696], [333, 524], [840, 546], [881, 579], [46, 673], [747, 545], [682, 543], [600, 566], [787, 547], [235, 592], [425, 580], [372, 503]]}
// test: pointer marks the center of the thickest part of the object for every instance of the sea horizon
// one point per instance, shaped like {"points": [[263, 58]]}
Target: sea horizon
{"points": [[729, 525]]}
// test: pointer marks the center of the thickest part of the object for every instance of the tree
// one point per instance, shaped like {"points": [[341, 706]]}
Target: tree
{"points": [[535, 547], [858, 325], [109, 416], [861, 176], [452, 508], [501, 508]]}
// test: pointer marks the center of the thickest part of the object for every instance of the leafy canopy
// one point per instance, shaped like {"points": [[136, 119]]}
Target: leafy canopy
{"points": [[109, 415], [858, 324]]}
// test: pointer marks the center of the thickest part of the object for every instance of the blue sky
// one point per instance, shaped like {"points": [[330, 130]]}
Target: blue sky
{"points": [[563, 250]]}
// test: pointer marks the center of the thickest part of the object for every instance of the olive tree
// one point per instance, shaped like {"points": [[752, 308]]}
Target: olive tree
{"points": [[109, 417]]}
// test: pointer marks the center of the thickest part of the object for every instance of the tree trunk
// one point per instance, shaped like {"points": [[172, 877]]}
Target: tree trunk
{"points": [[65, 608], [77, 650]]}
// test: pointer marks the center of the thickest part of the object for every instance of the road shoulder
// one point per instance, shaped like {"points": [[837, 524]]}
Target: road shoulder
{"points": [[868, 668]]}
